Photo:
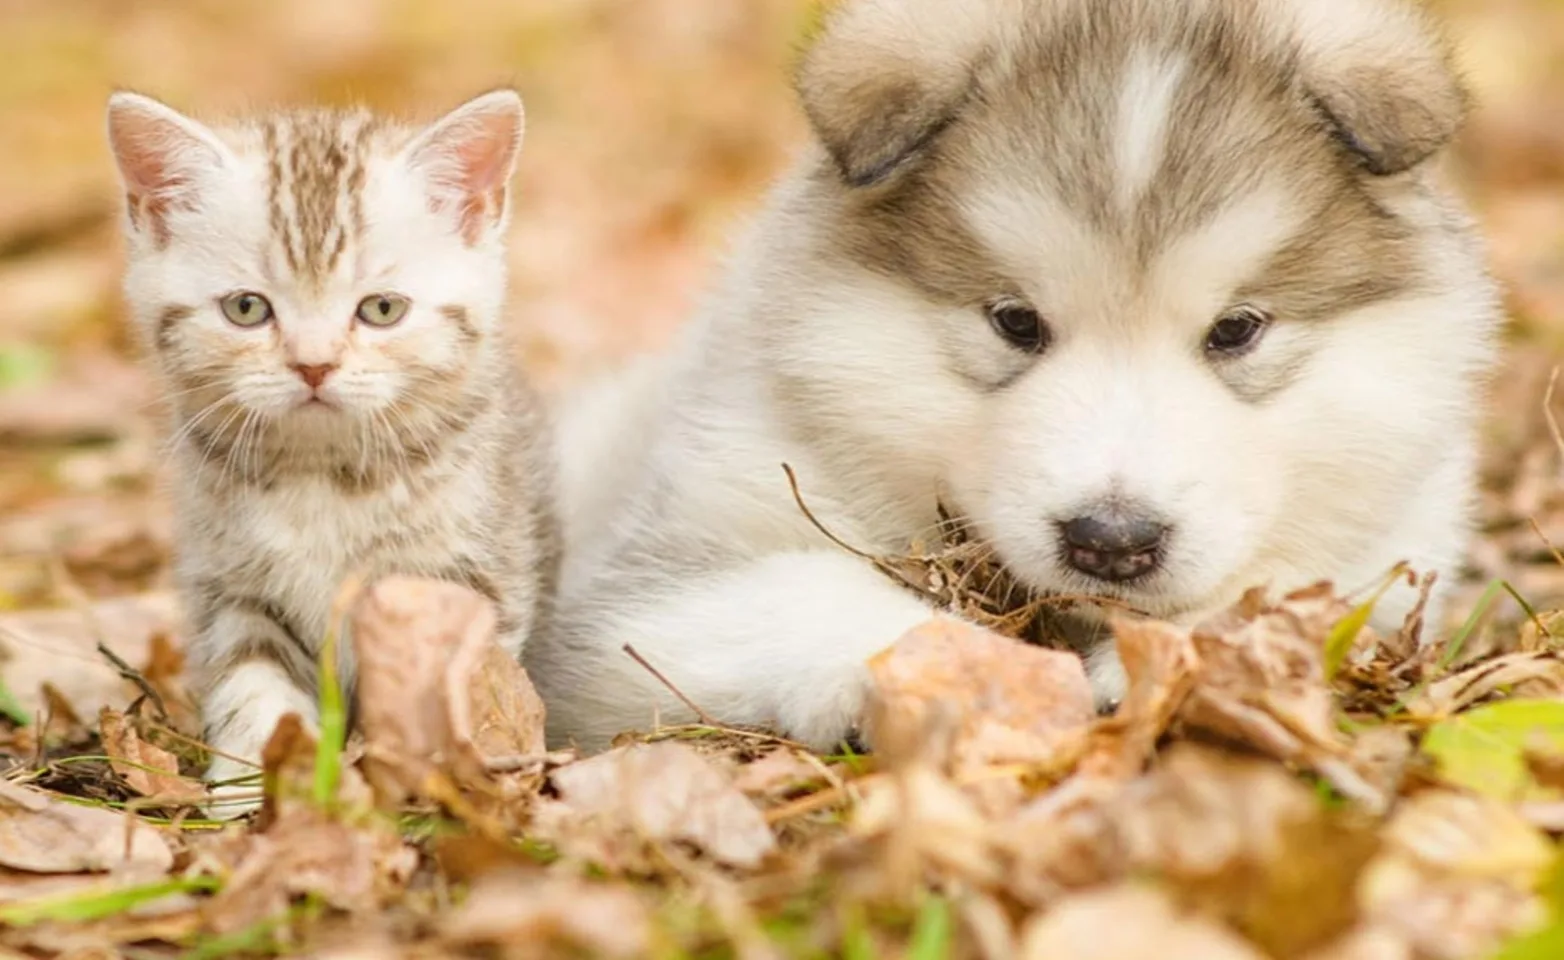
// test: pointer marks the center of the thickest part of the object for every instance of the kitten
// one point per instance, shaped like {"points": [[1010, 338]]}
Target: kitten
{"points": [[321, 291]]}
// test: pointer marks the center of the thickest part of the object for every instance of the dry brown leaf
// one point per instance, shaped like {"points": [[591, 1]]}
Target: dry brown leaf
{"points": [[1537, 675], [529, 913], [1262, 683], [42, 835], [149, 770], [353, 867], [60, 647], [435, 692], [1129, 923], [353, 860], [922, 820], [494, 711], [1246, 841], [1064, 840], [657, 793], [1160, 664], [1006, 701], [778, 772]]}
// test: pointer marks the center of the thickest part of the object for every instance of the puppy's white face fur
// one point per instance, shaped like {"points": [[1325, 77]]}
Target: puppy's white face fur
{"points": [[1257, 323]]}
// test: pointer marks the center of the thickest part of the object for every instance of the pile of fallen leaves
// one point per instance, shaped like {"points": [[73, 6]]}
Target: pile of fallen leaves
{"points": [[1278, 782]]}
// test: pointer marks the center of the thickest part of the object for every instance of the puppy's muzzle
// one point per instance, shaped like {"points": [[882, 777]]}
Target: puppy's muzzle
{"points": [[1116, 543]]}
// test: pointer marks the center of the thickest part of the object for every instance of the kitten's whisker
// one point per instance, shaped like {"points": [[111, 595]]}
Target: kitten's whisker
{"points": [[188, 429]]}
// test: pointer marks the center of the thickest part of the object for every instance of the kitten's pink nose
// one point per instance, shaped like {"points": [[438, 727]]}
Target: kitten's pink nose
{"points": [[314, 374]]}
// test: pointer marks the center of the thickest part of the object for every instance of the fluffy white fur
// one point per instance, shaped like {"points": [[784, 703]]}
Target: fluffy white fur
{"points": [[687, 545]]}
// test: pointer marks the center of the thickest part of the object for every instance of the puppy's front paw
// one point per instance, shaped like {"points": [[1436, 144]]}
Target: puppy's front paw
{"points": [[827, 709]]}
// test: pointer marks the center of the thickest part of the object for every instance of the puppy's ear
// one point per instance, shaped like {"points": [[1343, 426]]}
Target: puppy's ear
{"points": [[1383, 75], [885, 77]]}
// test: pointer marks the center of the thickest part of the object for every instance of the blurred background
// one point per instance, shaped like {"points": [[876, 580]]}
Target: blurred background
{"points": [[654, 125]]}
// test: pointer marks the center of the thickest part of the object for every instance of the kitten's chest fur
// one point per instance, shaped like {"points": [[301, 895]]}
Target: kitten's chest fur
{"points": [[292, 542]]}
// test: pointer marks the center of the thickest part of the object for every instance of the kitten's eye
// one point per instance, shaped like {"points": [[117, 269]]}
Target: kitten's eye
{"points": [[1020, 324], [1238, 331], [246, 309], [383, 309]]}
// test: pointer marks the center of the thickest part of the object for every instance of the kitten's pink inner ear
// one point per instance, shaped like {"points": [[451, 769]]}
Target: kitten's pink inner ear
{"points": [[469, 157], [157, 156]]}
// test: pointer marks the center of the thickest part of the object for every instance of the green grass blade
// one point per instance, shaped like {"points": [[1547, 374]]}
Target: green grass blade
{"points": [[257, 940], [931, 932], [97, 904], [1338, 643], [333, 725], [1459, 640], [12, 707]]}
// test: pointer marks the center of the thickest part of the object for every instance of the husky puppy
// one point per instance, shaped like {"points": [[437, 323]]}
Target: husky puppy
{"points": [[1164, 298]]}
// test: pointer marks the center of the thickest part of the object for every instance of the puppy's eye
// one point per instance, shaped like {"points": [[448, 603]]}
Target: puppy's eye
{"points": [[1237, 332], [1019, 324], [383, 309], [245, 309]]}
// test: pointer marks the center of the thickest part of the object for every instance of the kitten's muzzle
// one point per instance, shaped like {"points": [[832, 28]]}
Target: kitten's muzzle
{"points": [[314, 374]]}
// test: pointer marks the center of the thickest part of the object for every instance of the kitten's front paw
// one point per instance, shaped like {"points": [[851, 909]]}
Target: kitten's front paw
{"points": [[234, 789]]}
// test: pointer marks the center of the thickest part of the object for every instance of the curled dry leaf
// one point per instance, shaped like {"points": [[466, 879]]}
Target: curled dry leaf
{"points": [[41, 835], [351, 861], [1007, 702], [923, 821], [1537, 675], [435, 692], [658, 793], [1247, 842], [1160, 664], [527, 913], [1262, 683], [1239, 837], [353, 867], [1129, 923], [149, 770]]}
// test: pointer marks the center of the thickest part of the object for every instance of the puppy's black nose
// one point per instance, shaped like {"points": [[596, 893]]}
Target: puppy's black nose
{"points": [[1117, 544]]}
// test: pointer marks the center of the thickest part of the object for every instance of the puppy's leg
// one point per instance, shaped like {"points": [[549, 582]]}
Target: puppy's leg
{"points": [[779, 643], [248, 688]]}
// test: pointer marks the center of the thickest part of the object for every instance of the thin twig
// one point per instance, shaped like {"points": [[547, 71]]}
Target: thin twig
{"points": [[1547, 411], [705, 717], [130, 673], [168, 731], [879, 562], [798, 497]]}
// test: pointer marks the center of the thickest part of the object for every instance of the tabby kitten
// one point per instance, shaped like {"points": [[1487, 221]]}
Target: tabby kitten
{"points": [[321, 292]]}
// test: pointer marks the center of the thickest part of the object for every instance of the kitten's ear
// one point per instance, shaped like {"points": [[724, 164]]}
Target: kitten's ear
{"points": [[885, 77], [1383, 75], [468, 157], [161, 155]]}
